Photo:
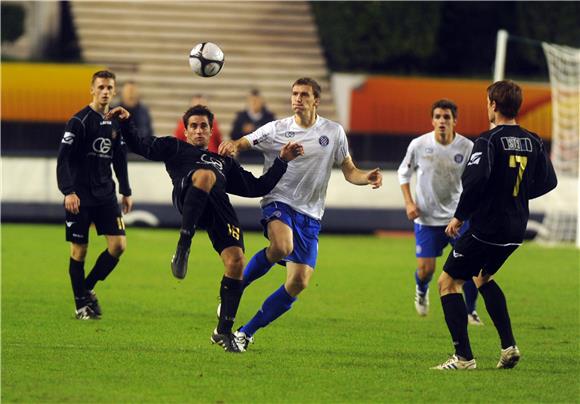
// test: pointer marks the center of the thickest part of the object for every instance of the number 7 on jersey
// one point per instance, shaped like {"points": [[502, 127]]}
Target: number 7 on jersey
{"points": [[523, 161]]}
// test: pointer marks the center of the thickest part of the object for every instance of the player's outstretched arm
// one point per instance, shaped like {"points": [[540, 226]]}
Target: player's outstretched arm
{"points": [[231, 148], [360, 177]]}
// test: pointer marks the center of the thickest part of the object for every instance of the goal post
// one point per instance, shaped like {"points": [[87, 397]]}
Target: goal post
{"points": [[561, 206]]}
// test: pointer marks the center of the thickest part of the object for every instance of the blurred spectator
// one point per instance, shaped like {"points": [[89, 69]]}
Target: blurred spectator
{"points": [[255, 115], [216, 136], [130, 100]]}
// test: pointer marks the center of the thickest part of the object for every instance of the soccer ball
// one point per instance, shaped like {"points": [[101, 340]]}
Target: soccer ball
{"points": [[206, 59]]}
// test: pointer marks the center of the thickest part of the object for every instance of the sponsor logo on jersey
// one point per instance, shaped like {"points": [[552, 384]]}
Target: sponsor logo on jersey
{"points": [[102, 145], [68, 138], [516, 144], [217, 163], [323, 140], [428, 150], [475, 159], [458, 158], [106, 123], [290, 134], [456, 254], [260, 139]]}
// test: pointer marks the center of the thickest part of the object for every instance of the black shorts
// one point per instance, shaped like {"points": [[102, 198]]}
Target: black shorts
{"points": [[107, 219], [470, 256], [219, 218]]}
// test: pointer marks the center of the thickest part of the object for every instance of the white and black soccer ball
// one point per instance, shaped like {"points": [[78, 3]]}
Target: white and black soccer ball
{"points": [[206, 59]]}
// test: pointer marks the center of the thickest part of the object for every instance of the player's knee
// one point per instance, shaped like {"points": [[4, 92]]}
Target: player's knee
{"points": [[234, 266], [448, 285], [117, 247], [280, 250], [203, 179], [297, 284], [78, 252]]}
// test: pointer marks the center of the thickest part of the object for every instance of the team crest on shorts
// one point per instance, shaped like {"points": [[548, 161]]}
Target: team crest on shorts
{"points": [[458, 158], [324, 141]]}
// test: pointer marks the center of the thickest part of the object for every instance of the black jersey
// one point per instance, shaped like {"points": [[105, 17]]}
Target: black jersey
{"points": [[89, 145], [182, 159], [508, 166]]}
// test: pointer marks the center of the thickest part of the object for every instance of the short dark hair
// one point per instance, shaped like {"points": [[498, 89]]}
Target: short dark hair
{"points": [[103, 74], [507, 96], [198, 110], [445, 104], [307, 81]]}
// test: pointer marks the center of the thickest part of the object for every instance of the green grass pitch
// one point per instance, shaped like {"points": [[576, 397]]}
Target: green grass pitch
{"points": [[352, 336]]}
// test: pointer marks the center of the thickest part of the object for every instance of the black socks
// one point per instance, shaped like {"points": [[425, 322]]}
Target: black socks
{"points": [[456, 319], [193, 206], [103, 267], [230, 293], [496, 306], [76, 270]]}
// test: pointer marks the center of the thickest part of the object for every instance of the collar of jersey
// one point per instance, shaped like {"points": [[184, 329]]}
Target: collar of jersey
{"points": [[297, 128]]}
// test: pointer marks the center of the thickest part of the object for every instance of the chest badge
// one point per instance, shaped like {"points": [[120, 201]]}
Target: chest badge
{"points": [[323, 141], [458, 158], [290, 134]]}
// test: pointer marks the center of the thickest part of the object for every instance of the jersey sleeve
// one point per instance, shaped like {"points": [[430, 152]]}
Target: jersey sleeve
{"points": [[243, 183], [341, 152], [65, 169], [474, 178], [151, 147], [262, 138], [544, 177], [120, 166], [408, 165]]}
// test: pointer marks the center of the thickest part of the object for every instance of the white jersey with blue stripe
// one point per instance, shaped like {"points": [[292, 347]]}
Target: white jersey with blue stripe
{"points": [[304, 185]]}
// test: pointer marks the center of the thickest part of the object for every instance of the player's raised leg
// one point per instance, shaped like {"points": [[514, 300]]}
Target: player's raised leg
{"points": [[196, 197]]}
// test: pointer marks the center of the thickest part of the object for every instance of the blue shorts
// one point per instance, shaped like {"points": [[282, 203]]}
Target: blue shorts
{"points": [[431, 240], [304, 230]]}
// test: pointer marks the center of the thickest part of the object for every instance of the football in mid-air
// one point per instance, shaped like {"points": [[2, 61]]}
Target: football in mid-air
{"points": [[206, 59]]}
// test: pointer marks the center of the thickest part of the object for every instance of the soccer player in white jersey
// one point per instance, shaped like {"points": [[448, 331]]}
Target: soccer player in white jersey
{"points": [[293, 209], [439, 158]]}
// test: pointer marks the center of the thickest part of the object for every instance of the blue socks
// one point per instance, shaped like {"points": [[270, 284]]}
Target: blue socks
{"points": [[257, 267], [274, 306], [423, 286], [470, 292]]}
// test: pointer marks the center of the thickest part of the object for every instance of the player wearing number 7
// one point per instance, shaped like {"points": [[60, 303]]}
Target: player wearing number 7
{"points": [[201, 180], [508, 167]]}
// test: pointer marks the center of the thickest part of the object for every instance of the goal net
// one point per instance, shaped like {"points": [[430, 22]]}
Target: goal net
{"points": [[561, 223]]}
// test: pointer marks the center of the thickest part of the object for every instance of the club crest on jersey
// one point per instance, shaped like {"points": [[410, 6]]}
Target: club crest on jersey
{"points": [[475, 159], [458, 158], [290, 134], [323, 140]]}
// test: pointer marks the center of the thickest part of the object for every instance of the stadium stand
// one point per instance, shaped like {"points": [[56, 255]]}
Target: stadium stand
{"points": [[267, 46]]}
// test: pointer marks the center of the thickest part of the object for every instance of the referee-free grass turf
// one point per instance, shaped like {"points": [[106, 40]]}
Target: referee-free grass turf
{"points": [[352, 336]]}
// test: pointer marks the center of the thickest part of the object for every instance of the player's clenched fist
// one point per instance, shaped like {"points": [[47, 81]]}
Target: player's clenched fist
{"points": [[291, 150]]}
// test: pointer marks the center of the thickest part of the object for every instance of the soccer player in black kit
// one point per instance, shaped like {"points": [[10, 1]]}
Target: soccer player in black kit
{"points": [[508, 167], [89, 145], [201, 180]]}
